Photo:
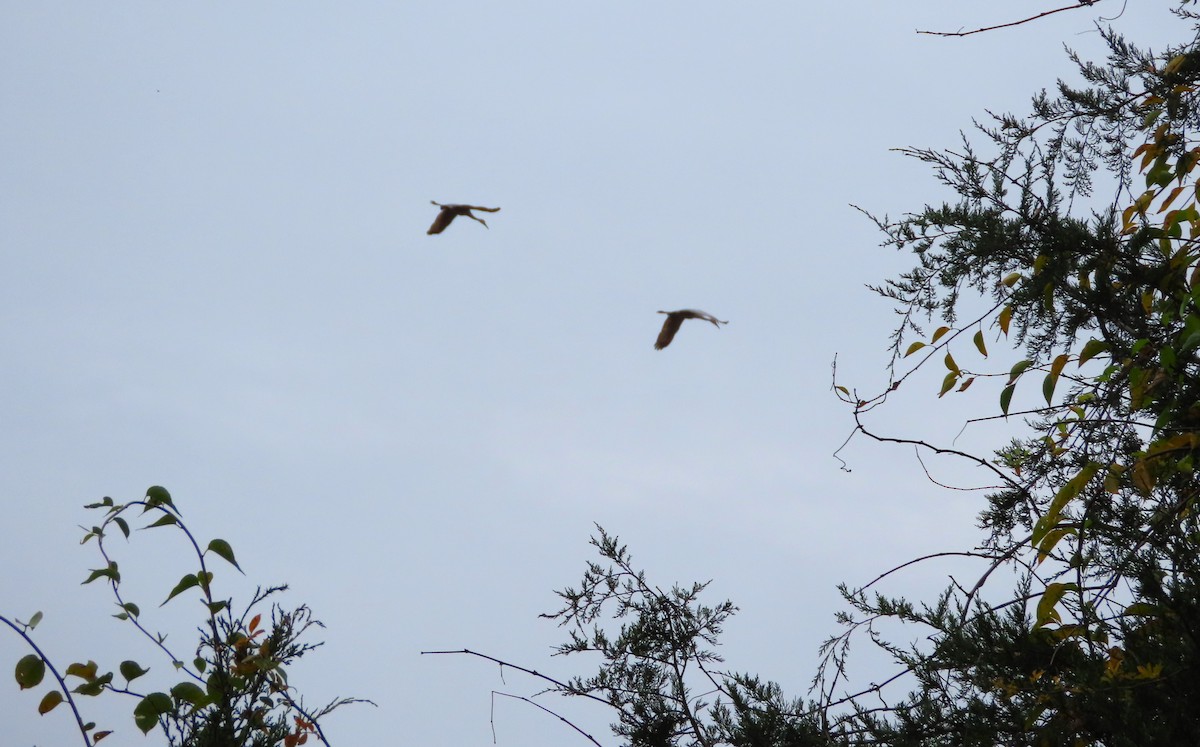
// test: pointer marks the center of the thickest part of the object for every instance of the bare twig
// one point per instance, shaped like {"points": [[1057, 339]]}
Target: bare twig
{"points": [[566, 721], [563, 687], [1077, 6]]}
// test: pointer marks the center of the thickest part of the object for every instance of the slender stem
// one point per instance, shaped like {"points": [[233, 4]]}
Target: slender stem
{"points": [[61, 682]]}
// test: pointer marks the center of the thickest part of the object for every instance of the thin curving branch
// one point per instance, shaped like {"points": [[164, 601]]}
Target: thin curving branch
{"points": [[1077, 6], [83, 729], [558, 716]]}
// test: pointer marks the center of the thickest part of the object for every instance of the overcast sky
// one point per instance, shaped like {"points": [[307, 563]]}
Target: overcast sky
{"points": [[216, 278]]}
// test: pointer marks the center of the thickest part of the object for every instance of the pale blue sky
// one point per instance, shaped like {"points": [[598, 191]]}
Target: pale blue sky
{"points": [[216, 278]]}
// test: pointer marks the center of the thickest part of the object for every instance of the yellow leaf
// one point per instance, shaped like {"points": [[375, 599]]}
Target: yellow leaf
{"points": [[913, 348], [1151, 154], [1112, 481], [939, 333], [1057, 366], [1175, 64], [1127, 218], [51, 699], [1184, 441], [978, 339], [1149, 671], [1171, 198], [1005, 317], [1011, 279], [1142, 479]]}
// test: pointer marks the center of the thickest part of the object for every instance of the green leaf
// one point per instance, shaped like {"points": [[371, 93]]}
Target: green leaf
{"points": [[215, 607], [948, 382], [1051, 379], [200, 664], [157, 495], [49, 702], [913, 348], [1143, 609], [190, 692], [1065, 494], [1046, 546], [1006, 397], [131, 670], [33, 621], [978, 340], [95, 686], [164, 520], [222, 548], [184, 584], [1046, 612], [110, 573], [123, 524], [1167, 357], [1090, 349], [147, 711], [30, 671], [1018, 369], [950, 364], [83, 671]]}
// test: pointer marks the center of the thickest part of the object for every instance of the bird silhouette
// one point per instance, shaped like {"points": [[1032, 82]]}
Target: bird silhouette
{"points": [[675, 319], [449, 212]]}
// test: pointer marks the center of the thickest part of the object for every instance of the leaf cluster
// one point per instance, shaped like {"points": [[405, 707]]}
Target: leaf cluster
{"points": [[233, 690]]}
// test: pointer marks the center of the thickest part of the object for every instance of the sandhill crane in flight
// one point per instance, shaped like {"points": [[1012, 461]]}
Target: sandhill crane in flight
{"points": [[449, 212], [675, 319]]}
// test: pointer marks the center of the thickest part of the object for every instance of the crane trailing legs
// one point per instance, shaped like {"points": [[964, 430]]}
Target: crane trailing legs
{"points": [[448, 213]]}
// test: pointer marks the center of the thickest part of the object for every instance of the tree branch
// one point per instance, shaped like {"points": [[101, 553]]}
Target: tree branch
{"points": [[1077, 6]]}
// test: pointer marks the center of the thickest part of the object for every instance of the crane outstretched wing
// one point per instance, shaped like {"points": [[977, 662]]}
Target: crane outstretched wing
{"points": [[670, 326], [444, 218]]}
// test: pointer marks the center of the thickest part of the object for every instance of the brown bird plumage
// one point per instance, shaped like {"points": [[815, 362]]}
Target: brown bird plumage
{"points": [[449, 212], [675, 319]]}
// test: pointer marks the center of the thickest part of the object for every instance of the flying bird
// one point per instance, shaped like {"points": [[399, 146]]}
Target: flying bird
{"points": [[449, 212], [675, 319]]}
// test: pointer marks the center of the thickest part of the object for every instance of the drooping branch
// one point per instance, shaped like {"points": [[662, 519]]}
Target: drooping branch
{"points": [[62, 683], [558, 716], [1077, 6]]}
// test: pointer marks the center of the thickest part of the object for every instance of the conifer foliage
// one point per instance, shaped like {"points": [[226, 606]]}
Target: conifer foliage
{"points": [[1066, 269]]}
